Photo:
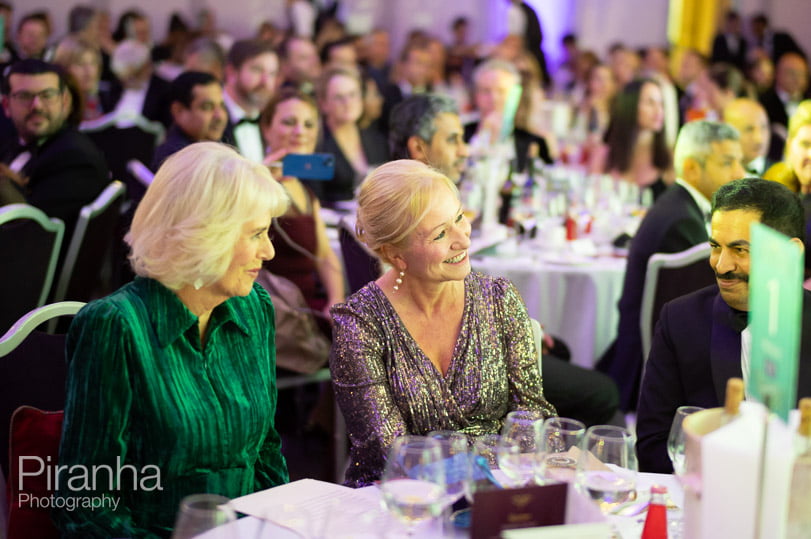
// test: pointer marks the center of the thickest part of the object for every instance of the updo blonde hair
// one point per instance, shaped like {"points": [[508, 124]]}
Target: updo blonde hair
{"points": [[187, 225], [392, 201]]}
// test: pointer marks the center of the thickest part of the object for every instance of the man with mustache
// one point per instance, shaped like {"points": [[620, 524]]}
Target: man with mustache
{"points": [[707, 155], [702, 338], [54, 167], [198, 113]]}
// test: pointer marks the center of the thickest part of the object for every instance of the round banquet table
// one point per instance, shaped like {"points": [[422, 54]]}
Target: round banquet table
{"points": [[574, 298]]}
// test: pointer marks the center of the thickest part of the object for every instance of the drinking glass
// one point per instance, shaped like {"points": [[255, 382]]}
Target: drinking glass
{"points": [[413, 482], [203, 512], [554, 439], [455, 455], [607, 466], [483, 461], [675, 440], [516, 451]]}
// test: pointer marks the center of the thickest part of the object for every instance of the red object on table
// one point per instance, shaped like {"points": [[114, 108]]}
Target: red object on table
{"points": [[571, 227], [656, 521]]}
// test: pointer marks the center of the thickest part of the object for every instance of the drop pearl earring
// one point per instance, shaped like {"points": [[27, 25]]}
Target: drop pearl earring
{"points": [[398, 281]]}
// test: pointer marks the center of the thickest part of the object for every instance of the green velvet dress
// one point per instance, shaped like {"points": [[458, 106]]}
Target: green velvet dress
{"points": [[143, 391]]}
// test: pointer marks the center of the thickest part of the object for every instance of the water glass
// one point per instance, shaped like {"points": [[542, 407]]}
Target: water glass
{"points": [[413, 482], [558, 441], [607, 466], [483, 462], [675, 440], [200, 513], [517, 451], [455, 454]]}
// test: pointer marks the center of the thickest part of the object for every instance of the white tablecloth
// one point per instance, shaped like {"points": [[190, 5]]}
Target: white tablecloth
{"points": [[576, 301], [367, 505]]}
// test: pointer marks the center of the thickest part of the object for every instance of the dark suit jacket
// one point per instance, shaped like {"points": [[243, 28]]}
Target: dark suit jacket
{"points": [[696, 349], [342, 184], [776, 111], [674, 223], [157, 101], [722, 53], [523, 140], [64, 173], [175, 141], [392, 96], [780, 44]]}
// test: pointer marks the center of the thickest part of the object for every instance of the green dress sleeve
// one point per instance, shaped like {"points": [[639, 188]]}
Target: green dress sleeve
{"points": [[98, 402]]}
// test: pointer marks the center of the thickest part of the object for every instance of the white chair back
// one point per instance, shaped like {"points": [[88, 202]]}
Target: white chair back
{"points": [[697, 255]]}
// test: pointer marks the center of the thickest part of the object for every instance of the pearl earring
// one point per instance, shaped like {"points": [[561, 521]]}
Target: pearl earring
{"points": [[198, 284], [398, 281]]}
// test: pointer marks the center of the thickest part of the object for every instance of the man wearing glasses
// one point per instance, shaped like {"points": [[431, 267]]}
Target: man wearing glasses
{"points": [[50, 164]]}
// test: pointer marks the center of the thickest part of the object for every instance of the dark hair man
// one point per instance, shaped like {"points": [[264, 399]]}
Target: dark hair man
{"points": [[426, 127], [198, 113]]}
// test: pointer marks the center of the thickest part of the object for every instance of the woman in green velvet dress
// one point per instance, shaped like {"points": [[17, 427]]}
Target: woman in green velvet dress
{"points": [[172, 378]]}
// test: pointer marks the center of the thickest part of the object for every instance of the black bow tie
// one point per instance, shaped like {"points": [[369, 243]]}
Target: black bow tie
{"points": [[246, 120], [739, 319]]}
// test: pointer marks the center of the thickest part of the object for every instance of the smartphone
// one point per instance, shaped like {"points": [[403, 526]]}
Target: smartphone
{"points": [[311, 166]]}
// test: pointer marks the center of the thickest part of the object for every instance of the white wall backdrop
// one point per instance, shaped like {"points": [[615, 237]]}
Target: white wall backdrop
{"points": [[598, 23]]}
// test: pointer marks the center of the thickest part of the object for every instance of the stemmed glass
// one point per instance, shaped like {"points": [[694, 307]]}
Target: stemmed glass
{"points": [[483, 460], [554, 439], [675, 440], [454, 447], [456, 459], [607, 466], [413, 482], [199, 513], [516, 451]]}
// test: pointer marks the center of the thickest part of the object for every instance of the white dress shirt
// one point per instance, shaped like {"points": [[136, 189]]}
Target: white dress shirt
{"points": [[248, 137]]}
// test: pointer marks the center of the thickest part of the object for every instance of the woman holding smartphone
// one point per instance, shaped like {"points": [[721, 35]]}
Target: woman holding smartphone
{"points": [[289, 125]]}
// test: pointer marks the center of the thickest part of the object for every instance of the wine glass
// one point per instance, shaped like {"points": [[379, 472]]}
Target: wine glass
{"points": [[454, 447], [516, 451], [456, 459], [675, 440], [413, 482], [554, 439], [203, 512], [483, 461], [607, 466]]}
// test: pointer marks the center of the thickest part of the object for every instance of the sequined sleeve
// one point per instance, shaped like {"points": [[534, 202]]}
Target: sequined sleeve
{"points": [[526, 385], [362, 390]]}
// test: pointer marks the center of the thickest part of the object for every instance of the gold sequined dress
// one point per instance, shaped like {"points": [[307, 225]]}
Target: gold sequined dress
{"points": [[386, 386]]}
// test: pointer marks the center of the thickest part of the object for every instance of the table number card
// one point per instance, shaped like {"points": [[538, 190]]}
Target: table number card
{"points": [[775, 302]]}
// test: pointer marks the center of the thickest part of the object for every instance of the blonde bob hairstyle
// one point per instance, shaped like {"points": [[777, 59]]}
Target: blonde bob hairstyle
{"points": [[186, 227], [392, 201]]}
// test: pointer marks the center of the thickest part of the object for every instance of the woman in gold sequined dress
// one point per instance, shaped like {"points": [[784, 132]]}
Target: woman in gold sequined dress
{"points": [[429, 345]]}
